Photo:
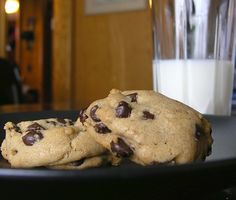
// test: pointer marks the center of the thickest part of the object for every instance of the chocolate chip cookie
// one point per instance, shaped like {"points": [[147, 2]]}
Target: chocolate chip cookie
{"points": [[85, 163], [47, 142], [148, 128]]}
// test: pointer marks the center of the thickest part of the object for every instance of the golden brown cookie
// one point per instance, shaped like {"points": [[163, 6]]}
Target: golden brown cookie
{"points": [[85, 163], [47, 142], [148, 128]]}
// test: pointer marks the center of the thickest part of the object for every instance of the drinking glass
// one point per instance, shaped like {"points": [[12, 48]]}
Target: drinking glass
{"points": [[194, 52]]}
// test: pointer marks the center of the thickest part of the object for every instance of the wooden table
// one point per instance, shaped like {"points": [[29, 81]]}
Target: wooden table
{"points": [[33, 107]]}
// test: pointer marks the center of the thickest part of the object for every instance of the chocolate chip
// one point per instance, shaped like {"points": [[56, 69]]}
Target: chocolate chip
{"points": [[101, 128], [31, 137], [123, 110], [203, 158], [35, 126], [71, 122], [14, 152], [78, 162], [121, 148], [82, 116], [93, 113], [133, 96], [61, 120], [148, 115], [210, 131], [198, 132], [209, 150], [15, 128], [52, 122]]}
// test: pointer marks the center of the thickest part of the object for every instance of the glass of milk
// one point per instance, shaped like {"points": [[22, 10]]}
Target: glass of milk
{"points": [[194, 52]]}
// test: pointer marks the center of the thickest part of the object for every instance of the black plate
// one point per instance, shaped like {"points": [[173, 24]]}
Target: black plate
{"points": [[218, 172]]}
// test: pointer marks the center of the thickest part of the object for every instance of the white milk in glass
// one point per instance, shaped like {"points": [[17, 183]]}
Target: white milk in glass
{"points": [[205, 85]]}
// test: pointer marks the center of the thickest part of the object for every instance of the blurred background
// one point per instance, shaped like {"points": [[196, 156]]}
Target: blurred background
{"points": [[66, 53], [54, 52]]}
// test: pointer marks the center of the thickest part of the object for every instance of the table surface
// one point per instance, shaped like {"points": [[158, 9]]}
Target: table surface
{"points": [[34, 107]]}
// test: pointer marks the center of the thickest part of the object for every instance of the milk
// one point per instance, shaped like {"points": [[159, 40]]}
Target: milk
{"points": [[205, 85]]}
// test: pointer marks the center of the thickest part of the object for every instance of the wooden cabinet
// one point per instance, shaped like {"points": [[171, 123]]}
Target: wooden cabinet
{"points": [[31, 51], [94, 53]]}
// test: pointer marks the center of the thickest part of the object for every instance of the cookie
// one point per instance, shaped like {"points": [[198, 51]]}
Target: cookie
{"points": [[85, 163], [148, 128], [47, 142], [4, 149]]}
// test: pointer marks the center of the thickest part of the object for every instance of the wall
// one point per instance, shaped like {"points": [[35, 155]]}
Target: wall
{"points": [[108, 51]]}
